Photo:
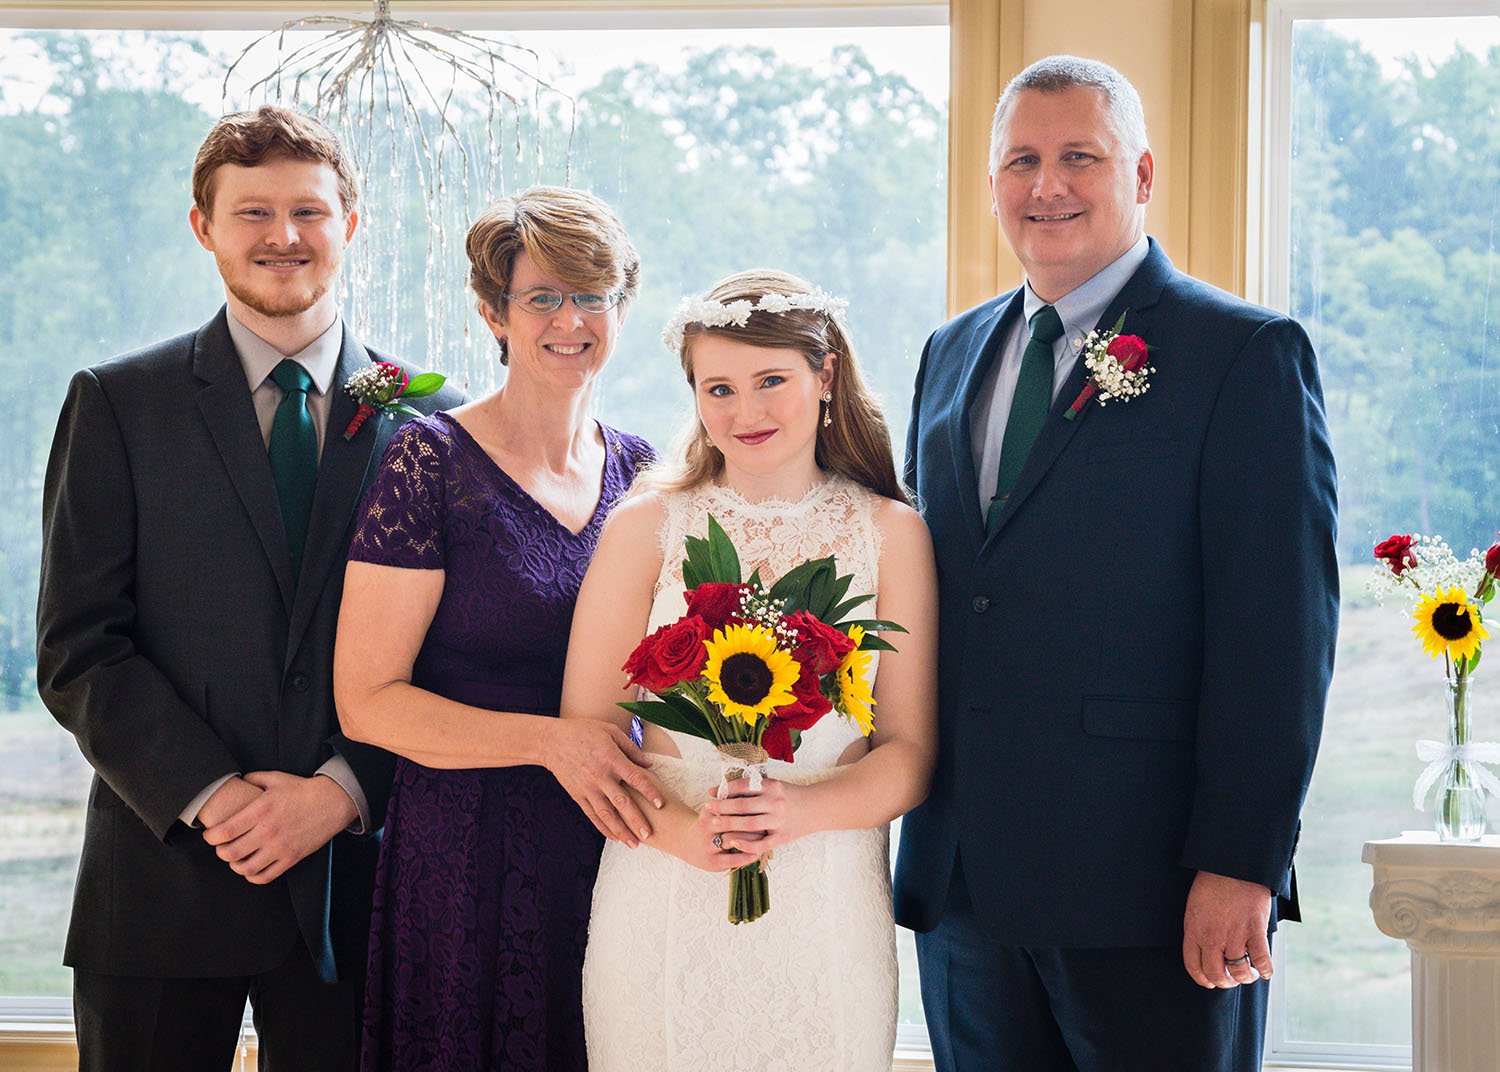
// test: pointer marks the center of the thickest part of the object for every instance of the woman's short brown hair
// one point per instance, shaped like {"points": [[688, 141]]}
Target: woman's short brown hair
{"points": [[251, 138], [567, 233]]}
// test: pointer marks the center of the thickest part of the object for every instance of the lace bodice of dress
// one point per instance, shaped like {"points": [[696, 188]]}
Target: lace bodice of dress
{"points": [[669, 984], [836, 517]]}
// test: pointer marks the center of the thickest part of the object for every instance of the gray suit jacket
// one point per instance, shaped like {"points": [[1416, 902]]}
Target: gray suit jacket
{"points": [[174, 643]]}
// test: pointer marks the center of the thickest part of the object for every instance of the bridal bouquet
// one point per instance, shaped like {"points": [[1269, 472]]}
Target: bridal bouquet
{"points": [[750, 668], [1447, 597]]}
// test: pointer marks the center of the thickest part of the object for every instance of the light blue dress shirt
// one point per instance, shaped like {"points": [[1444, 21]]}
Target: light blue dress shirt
{"points": [[1080, 310]]}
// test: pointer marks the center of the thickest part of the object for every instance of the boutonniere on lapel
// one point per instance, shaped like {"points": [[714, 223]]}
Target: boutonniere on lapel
{"points": [[382, 388], [1117, 368]]}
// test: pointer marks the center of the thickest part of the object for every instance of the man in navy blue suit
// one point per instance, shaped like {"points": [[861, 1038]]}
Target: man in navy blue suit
{"points": [[1138, 610]]}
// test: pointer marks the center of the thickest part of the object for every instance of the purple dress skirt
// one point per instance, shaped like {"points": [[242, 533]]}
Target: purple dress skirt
{"points": [[483, 889]]}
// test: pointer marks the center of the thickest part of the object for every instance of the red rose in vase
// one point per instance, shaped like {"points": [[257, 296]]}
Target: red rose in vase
{"points": [[716, 604], [1396, 552], [672, 654]]}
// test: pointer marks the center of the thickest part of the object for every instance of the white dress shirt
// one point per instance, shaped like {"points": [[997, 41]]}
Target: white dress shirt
{"points": [[320, 358]]}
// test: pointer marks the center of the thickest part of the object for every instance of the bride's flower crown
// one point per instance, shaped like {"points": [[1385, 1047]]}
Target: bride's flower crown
{"points": [[716, 314]]}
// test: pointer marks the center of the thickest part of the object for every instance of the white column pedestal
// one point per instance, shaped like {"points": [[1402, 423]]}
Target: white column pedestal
{"points": [[1443, 900]]}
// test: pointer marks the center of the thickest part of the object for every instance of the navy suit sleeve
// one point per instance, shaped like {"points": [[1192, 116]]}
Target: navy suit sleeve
{"points": [[148, 745], [1270, 582], [913, 430]]}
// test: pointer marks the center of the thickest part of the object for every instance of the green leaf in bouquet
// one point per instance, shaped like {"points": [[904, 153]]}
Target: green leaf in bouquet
{"points": [[840, 586], [871, 642], [402, 407], [726, 561], [712, 560], [879, 625], [426, 384], [836, 615], [674, 713], [820, 598], [793, 587]]}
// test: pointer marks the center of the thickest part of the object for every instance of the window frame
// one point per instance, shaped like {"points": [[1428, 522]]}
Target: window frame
{"points": [[36, 1032], [1268, 281]]}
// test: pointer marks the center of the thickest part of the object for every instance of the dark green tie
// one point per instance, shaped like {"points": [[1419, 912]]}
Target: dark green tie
{"points": [[294, 456], [1029, 407]]}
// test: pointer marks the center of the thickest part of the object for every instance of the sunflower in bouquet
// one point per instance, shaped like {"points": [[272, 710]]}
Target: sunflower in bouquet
{"points": [[750, 668]]}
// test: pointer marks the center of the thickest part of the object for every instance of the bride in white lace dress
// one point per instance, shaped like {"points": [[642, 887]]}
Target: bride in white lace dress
{"points": [[790, 455]]}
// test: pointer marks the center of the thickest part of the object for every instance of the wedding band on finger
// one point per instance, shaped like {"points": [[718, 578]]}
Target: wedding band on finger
{"points": [[1237, 961], [719, 841]]}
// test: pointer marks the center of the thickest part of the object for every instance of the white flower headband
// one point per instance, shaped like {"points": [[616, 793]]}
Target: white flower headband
{"points": [[715, 314]]}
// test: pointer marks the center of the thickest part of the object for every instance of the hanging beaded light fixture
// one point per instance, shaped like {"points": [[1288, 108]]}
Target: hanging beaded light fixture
{"points": [[439, 123]]}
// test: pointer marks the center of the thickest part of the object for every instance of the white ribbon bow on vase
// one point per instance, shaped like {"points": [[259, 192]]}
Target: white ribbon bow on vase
{"points": [[1471, 757]]}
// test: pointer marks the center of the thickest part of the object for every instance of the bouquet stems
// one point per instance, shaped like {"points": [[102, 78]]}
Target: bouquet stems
{"points": [[749, 894], [749, 888]]}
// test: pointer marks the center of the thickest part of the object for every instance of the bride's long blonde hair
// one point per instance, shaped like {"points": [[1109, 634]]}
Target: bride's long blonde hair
{"points": [[856, 444]]}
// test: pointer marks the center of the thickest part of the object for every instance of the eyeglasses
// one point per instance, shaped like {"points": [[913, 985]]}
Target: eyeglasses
{"points": [[545, 300]]}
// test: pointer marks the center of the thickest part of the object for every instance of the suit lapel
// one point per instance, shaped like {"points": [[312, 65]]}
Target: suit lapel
{"points": [[984, 348], [230, 415], [1136, 297], [341, 479]]}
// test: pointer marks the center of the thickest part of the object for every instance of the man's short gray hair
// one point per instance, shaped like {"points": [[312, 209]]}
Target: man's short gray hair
{"points": [[1057, 74]]}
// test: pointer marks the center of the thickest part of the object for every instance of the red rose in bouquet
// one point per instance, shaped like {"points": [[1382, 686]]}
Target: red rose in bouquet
{"points": [[819, 645], [672, 654], [716, 603], [1492, 559], [1396, 552], [810, 706]]}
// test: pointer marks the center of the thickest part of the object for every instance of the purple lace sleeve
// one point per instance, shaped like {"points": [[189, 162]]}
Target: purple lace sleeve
{"points": [[400, 521]]}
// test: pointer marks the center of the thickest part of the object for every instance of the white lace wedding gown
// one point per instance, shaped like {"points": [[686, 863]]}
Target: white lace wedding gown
{"points": [[669, 985]]}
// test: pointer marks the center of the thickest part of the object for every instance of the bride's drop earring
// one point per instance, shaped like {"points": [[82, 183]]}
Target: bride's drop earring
{"points": [[828, 410]]}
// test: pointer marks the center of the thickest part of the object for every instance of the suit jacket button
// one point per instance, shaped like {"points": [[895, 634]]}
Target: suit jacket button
{"points": [[981, 604], [300, 682]]}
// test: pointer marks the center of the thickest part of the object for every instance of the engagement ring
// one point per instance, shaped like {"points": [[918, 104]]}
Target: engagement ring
{"points": [[718, 841]]}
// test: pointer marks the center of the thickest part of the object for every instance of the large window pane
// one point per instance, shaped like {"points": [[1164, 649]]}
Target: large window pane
{"points": [[1395, 168], [822, 151]]}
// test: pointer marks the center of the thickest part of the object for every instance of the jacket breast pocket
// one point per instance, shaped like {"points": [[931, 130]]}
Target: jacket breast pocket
{"points": [[1140, 719]]}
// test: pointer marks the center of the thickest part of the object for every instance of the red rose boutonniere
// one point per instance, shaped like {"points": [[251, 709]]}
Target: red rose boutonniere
{"points": [[1117, 368], [382, 388]]}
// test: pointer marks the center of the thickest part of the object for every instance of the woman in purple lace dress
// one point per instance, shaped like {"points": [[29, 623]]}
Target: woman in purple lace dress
{"points": [[465, 565]]}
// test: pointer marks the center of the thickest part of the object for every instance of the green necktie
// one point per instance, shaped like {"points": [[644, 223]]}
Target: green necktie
{"points": [[1029, 407], [294, 456]]}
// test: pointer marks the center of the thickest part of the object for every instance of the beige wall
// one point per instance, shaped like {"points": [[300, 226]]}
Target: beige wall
{"points": [[1188, 58]]}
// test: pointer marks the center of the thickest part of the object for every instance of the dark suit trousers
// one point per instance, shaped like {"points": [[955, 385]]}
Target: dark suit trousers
{"points": [[997, 1008], [131, 1024]]}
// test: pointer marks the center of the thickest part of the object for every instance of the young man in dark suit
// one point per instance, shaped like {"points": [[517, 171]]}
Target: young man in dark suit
{"points": [[196, 517], [1138, 609]]}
